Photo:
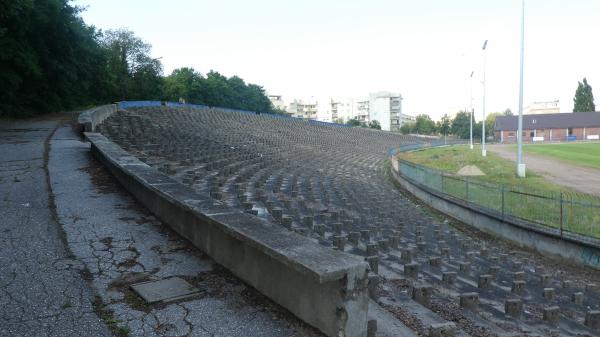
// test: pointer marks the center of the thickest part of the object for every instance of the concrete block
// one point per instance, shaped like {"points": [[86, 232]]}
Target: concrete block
{"points": [[406, 255], [469, 301], [319, 229], [422, 294], [513, 307], [373, 262], [518, 287], [354, 238], [590, 287], [484, 281], [577, 298], [411, 270], [372, 328], [435, 261], [339, 242], [277, 214], [337, 228], [449, 277], [384, 245], [365, 235], [551, 314], [592, 319], [445, 252], [519, 276], [374, 281], [308, 221], [286, 221], [447, 329], [545, 279], [464, 267], [372, 249], [548, 293]]}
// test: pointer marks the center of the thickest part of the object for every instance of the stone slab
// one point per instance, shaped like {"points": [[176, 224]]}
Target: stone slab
{"points": [[164, 290]]}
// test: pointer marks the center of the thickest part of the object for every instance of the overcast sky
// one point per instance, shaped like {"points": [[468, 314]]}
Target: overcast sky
{"points": [[423, 49]]}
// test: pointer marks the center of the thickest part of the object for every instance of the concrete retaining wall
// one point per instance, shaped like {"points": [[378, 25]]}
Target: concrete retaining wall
{"points": [[325, 288], [89, 119], [528, 235]]}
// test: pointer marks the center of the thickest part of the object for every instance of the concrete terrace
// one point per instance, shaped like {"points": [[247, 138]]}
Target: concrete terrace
{"points": [[328, 184]]}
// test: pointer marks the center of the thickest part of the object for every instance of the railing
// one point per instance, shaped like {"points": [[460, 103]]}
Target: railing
{"points": [[564, 212]]}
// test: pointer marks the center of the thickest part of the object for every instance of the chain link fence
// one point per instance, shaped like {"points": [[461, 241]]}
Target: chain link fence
{"points": [[565, 212]]}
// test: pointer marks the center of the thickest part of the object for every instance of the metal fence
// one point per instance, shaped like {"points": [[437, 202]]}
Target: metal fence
{"points": [[565, 212]]}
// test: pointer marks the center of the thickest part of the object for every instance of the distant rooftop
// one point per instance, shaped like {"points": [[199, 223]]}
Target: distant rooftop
{"points": [[549, 121]]}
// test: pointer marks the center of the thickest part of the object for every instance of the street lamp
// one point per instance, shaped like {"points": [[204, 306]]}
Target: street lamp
{"points": [[520, 163], [483, 151], [471, 108]]}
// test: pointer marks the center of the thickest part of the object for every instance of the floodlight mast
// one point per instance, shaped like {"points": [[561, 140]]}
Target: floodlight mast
{"points": [[471, 111], [483, 150], [520, 164]]}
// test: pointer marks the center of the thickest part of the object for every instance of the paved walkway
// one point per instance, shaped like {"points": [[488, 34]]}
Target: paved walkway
{"points": [[42, 292], [582, 179]]}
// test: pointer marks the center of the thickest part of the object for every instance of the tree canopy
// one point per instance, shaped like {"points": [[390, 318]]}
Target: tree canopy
{"points": [[461, 125], [50, 60], [584, 98]]}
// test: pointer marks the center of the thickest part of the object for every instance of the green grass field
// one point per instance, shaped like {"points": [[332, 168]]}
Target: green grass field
{"points": [[585, 154], [532, 198], [497, 170]]}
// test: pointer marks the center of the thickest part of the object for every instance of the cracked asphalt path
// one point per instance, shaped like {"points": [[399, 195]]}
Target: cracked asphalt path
{"points": [[41, 290]]}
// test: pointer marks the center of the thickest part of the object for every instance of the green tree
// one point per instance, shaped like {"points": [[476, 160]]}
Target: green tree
{"points": [[49, 59], [490, 122], [184, 83], [407, 128], [424, 125], [374, 124], [353, 122], [132, 72], [443, 126], [584, 99], [461, 125], [508, 112]]}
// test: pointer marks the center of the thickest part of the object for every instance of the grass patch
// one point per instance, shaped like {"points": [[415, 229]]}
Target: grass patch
{"points": [[497, 170], [585, 154], [107, 315], [500, 190]]}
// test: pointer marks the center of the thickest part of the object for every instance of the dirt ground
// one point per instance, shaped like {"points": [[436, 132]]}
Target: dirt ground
{"points": [[582, 179]]}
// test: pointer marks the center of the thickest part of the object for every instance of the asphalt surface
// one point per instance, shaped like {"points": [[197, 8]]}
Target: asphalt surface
{"points": [[42, 292], [580, 178]]}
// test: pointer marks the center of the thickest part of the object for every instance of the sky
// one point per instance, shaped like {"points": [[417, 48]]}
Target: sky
{"points": [[423, 49]]}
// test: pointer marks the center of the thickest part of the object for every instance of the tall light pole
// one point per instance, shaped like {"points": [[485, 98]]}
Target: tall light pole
{"points": [[471, 112], [520, 163], [483, 151]]}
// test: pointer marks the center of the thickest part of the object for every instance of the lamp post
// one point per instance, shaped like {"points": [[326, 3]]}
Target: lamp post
{"points": [[520, 163], [471, 113], [483, 151]]}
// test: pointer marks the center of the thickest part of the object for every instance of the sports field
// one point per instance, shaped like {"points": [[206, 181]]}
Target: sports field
{"points": [[586, 154]]}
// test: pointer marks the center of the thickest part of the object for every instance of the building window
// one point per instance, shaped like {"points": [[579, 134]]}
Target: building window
{"points": [[531, 134], [570, 131], [511, 134]]}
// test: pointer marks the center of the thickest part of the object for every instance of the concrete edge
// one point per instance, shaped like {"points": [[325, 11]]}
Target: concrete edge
{"points": [[89, 119], [325, 288], [529, 235]]}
